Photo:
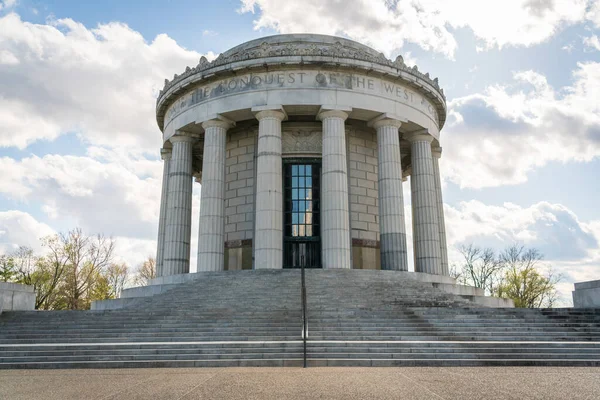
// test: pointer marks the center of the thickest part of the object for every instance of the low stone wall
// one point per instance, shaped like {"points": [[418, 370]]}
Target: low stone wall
{"points": [[587, 294], [16, 297]]}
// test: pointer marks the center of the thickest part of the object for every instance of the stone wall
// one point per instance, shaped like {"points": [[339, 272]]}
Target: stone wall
{"points": [[239, 198], [587, 294], [363, 188], [16, 297]]}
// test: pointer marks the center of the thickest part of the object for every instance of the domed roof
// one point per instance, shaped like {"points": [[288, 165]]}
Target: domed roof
{"points": [[304, 50]]}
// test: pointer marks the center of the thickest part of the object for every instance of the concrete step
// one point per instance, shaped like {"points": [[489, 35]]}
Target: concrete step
{"points": [[253, 318]]}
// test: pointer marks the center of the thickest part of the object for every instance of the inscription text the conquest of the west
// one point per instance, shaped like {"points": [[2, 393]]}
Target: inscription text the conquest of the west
{"points": [[302, 79]]}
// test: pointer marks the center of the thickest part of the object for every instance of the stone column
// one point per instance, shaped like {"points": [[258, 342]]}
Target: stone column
{"points": [[165, 154], [211, 235], [426, 234], [268, 233], [178, 227], [335, 218], [392, 228], [437, 153]]}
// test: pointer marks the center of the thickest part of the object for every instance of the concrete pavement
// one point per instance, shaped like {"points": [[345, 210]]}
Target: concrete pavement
{"points": [[295, 383]]}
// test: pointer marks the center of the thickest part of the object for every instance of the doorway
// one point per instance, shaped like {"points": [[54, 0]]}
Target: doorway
{"points": [[302, 222]]}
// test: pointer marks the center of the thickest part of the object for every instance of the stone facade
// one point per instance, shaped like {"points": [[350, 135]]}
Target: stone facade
{"points": [[364, 206], [239, 198], [242, 123], [239, 178]]}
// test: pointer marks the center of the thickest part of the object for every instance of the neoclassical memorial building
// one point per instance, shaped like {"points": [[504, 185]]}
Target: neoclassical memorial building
{"points": [[302, 144]]}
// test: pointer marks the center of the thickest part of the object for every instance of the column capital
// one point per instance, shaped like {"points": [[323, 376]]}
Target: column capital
{"points": [[218, 121], [274, 111], [386, 119], [436, 151], [418, 136], [165, 154], [333, 111], [182, 137]]}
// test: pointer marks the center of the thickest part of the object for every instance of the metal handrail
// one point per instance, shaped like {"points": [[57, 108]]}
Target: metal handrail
{"points": [[304, 321]]}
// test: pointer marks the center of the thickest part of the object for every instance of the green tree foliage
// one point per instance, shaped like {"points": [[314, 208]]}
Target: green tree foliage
{"points": [[75, 270], [37, 272], [8, 270], [516, 273], [87, 258], [524, 282]]}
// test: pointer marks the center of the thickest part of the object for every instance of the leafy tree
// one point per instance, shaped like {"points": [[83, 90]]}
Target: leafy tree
{"points": [[145, 272], [8, 270], [87, 257], [523, 282], [37, 272]]}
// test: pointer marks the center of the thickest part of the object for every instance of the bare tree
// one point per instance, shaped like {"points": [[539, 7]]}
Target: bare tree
{"points": [[145, 272], [24, 260], [456, 272], [116, 276], [480, 268]]}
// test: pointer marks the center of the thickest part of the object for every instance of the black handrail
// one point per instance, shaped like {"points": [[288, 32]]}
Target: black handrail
{"points": [[304, 322]]}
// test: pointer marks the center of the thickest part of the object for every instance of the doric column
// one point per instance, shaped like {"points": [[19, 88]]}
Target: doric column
{"points": [[211, 230], [392, 228], [437, 153], [178, 227], [165, 154], [268, 234], [426, 235], [335, 219]]}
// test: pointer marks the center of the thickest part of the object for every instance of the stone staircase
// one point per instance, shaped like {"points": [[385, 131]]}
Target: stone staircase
{"points": [[253, 318]]}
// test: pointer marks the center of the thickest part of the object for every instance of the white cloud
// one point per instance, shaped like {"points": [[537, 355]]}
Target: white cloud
{"points": [[8, 58], [381, 24], [100, 197], [568, 47], [409, 59], [592, 42], [499, 136], [100, 83], [552, 228], [387, 24], [6, 4], [593, 13], [569, 246], [133, 251], [18, 228], [116, 193]]}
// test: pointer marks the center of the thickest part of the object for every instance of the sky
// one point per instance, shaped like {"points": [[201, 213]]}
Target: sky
{"points": [[79, 144]]}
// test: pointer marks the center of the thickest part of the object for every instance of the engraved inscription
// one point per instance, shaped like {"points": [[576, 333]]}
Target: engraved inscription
{"points": [[302, 79]]}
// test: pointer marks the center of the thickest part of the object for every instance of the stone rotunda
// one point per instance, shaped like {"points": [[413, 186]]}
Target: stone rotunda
{"points": [[301, 144]]}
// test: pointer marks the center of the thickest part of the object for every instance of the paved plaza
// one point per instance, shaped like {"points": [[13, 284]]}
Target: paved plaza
{"points": [[295, 383]]}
